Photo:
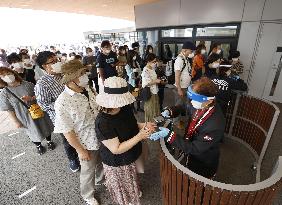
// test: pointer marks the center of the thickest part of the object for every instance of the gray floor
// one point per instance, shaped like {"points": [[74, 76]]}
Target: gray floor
{"points": [[56, 185]]}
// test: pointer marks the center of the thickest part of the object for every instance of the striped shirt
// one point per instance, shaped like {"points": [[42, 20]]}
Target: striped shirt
{"points": [[47, 90]]}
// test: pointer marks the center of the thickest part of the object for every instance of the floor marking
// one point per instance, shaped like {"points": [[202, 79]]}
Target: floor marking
{"points": [[13, 134], [27, 192], [18, 155]]}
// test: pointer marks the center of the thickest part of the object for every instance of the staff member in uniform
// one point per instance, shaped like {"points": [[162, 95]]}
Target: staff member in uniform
{"points": [[205, 129], [182, 69]]}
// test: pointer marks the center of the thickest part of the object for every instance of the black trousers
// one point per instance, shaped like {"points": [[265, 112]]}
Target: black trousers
{"points": [[95, 80], [161, 97], [70, 151]]}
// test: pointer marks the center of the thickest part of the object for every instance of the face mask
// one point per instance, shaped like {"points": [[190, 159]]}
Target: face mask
{"points": [[59, 55], [17, 65], [26, 61], [134, 58], [57, 67], [9, 78], [83, 80], [215, 65], [107, 51], [72, 57], [191, 55], [197, 105], [218, 51], [235, 59], [203, 51]]}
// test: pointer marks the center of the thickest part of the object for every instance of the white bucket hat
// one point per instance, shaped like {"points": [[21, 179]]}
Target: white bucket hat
{"points": [[115, 94]]}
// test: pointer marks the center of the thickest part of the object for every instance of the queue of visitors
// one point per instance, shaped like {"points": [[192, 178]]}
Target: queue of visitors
{"points": [[90, 101]]}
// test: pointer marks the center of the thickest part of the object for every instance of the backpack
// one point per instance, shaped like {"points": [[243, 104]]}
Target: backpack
{"points": [[170, 70]]}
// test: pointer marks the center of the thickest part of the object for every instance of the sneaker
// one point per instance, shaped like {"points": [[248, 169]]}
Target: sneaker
{"points": [[40, 149], [92, 202], [51, 145], [74, 165]]}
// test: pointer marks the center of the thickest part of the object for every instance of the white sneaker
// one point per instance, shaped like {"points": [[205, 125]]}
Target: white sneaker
{"points": [[92, 202]]}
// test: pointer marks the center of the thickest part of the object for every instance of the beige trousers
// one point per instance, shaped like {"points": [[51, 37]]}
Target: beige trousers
{"points": [[90, 172]]}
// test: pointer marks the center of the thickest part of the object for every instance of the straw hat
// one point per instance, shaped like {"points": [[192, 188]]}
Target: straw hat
{"points": [[72, 70], [115, 94]]}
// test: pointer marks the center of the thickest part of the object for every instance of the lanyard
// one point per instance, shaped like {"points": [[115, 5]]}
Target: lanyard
{"points": [[199, 119]]}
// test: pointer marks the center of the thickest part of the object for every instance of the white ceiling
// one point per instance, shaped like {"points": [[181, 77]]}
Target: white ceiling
{"points": [[123, 9]]}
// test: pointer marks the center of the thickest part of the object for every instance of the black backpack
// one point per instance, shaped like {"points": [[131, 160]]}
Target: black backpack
{"points": [[171, 79]]}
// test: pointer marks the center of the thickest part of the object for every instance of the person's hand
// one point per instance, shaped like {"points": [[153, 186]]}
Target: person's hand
{"points": [[151, 126], [166, 114], [19, 125], [180, 92], [158, 81], [160, 134], [144, 133], [27, 98], [84, 155]]}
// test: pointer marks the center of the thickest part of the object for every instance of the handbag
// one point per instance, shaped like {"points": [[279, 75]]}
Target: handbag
{"points": [[145, 94], [34, 110]]}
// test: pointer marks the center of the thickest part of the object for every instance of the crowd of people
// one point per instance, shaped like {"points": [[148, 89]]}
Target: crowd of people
{"points": [[90, 101]]}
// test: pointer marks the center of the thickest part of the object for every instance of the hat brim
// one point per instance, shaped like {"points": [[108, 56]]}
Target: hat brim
{"points": [[114, 100], [71, 76]]}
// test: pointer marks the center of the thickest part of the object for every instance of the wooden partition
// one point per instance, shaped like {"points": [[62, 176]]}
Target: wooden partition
{"points": [[250, 121], [180, 186]]}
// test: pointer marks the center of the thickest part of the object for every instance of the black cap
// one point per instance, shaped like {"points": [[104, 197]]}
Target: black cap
{"points": [[189, 45], [135, 45]]}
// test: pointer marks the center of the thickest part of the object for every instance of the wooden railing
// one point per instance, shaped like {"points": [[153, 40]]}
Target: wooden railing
{"points": [[250, 121]]}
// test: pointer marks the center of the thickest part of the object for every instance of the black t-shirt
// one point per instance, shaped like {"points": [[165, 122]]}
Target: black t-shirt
{"points": [[122, 125], [107, 63]]}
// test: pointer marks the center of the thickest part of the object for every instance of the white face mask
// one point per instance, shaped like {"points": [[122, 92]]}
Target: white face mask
{"points": [[83, 80], [203, 51], [218, 51], [134, 57], [17, 65], [191, 55], [26, 61], [235, 59], [72, 57], [197, 105], [57, 67], [9, 78], [215, 65]]}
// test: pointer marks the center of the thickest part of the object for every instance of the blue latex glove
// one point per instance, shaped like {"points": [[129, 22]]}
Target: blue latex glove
{"points": [[160, 134], [166, 114]]}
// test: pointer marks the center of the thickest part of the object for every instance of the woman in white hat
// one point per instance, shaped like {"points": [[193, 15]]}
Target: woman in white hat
{"points": [[121, 136]]}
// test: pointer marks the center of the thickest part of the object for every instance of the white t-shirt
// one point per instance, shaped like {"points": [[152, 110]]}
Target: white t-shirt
{"points": [[149, 75], [185, 77]]}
